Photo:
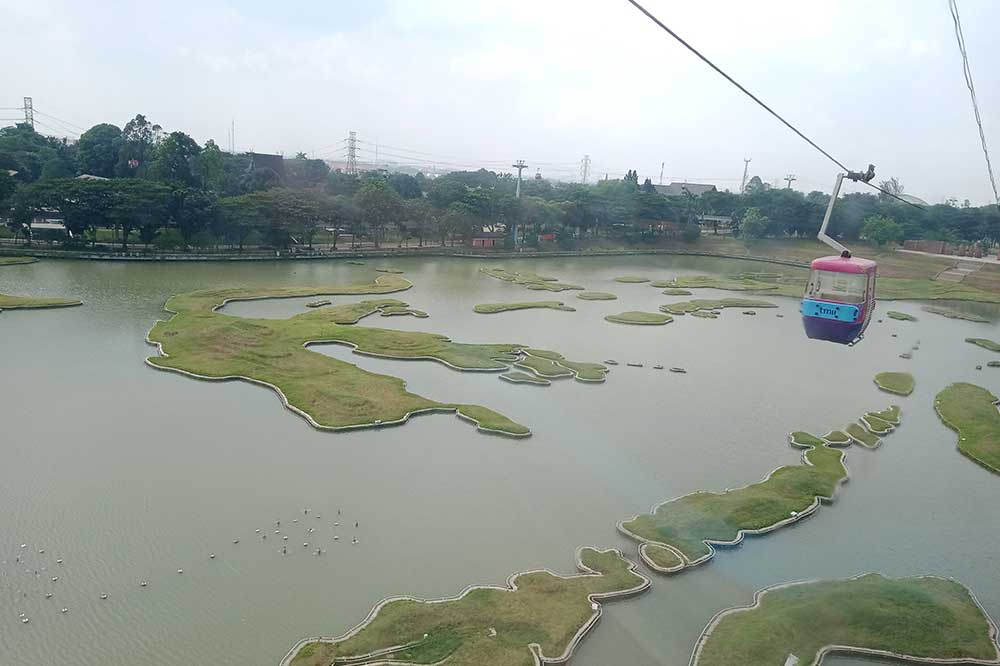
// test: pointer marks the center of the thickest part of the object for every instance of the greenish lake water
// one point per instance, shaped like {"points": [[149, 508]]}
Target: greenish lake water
{"points": [[129, 474]]}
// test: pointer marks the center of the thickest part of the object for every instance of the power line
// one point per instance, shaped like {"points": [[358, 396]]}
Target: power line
{"points": [[960, 38], [749, 94], [64, 122]]}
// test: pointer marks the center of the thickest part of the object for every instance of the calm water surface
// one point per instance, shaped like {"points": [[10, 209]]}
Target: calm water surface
{"points": [[129, 474]]}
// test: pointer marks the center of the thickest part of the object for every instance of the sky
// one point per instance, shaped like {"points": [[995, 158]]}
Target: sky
{"points": [[443, 84]]}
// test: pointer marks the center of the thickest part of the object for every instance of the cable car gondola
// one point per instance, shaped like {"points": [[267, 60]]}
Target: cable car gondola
{"points": [[840, 296]]}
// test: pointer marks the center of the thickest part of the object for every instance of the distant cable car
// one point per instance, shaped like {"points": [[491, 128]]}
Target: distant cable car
{"points": [[840, 296]]}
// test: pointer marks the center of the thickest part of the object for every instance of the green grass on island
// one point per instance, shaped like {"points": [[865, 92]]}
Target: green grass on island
{"points": [[596, 296], [683, 307], [529, 280], [333, 393], [400, 310], [640, 318], [860, 435], [837, 438], [971, 411], [985, 344], [669, 291], [550, 364], [318, 304], [33, 303], [900, 383], [890, 415], [689, 524], [517, 377], [631, 279], [955, 314], [901, 316], [494, 308], [16, 261], [393, 271], [918, 618], [539, 613], [661, 558], [804, 439]]}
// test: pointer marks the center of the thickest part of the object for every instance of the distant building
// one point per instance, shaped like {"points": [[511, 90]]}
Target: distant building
{"points": [[275, 163], [487, 239], [678, 189]]}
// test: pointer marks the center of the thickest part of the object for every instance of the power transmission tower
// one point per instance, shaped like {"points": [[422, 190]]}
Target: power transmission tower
{"points": [[352, 153], [788, 179], [585, 169], [746, 165], [661, 172], [29, 113]]}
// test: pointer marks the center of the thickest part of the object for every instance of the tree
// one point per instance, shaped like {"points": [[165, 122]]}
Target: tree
{"points": [[210, 167], [632, 176], [881, 230], [137, 203], [754, 224], [174, 160], [97, 150], [302, 172], [379, 206], [648, 187], [756, 185], [405, 185], [420, 214], [139, 137]]}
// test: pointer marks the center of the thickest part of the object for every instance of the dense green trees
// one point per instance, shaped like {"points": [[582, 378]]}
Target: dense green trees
{"points": [[165, 189]]}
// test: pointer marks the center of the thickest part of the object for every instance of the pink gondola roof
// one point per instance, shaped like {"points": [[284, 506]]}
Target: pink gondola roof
{"points": [[842, 265]]}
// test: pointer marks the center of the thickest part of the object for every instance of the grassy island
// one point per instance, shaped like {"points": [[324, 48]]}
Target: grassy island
{"points": [[596, 296], [529, 280], [971, 411], [901, 316], [670, 291], [32, 303], [16, 261], [955, 314], [909, 619], [900, 383], [400, 310], [328, 392], [837, 438], [538, 617], [494, 308], [985, 344], [690, 526], [640, 318], [517, 377], [631, 279], [859, 434], [393, 271], [701, 304]]}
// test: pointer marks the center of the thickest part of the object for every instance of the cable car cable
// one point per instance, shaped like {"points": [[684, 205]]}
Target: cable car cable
{"points": [[764, 106], [960, 38]]}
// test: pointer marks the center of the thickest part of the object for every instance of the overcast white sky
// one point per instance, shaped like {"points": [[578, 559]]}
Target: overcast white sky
{"points": [[467, 81]]}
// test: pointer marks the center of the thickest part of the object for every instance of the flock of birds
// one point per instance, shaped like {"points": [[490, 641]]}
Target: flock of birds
{"points": [[20, 562]]}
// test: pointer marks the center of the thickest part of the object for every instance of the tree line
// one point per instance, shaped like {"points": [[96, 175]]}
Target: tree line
{"points": [[142, 184]]}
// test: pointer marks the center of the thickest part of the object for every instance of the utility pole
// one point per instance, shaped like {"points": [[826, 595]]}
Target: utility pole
{"points": [[661, 172], [520, 166], [788, 179], [746, 165], [29, 113], [352, 153], [585, 169]]}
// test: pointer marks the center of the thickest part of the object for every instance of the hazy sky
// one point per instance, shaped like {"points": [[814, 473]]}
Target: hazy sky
{"points": [[468, 82]]}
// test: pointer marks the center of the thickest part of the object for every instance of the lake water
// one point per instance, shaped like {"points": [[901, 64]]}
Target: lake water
{"points": [[129, 474]]}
